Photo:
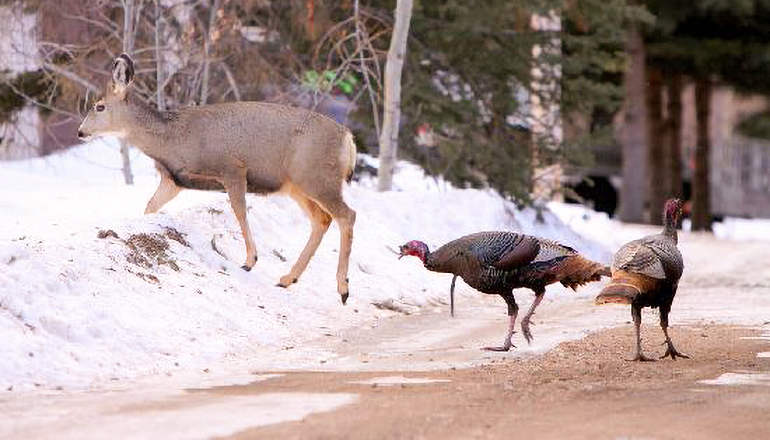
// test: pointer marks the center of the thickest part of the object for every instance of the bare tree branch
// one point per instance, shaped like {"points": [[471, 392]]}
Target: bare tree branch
{"points": [[231, 80], [72, 76]]}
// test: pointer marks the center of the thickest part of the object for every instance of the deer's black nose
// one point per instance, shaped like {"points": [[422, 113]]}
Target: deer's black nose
{"points": [[81, 135]]}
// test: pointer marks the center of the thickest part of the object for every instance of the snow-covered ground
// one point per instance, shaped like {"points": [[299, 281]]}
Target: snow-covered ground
{"points": [[92, 291]]}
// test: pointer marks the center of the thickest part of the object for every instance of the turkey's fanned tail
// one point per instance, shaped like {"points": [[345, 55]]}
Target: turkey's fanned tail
{"points": [[617, 293]]}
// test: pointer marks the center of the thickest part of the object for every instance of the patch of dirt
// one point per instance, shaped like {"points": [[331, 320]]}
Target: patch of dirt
{"points": [[177, 236], [104, 233], [149, 250], [583, 389], [150, 278]]}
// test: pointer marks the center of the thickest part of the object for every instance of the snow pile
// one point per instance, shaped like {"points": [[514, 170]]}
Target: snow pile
{"points": [[742, 229], [91, 290]]}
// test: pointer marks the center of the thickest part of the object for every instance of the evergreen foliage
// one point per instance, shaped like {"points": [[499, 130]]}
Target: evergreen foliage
{"points": [[15, 91], [469, 80]]}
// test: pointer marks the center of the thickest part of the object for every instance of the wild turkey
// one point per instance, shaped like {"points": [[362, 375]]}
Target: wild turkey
{"points": [[497, 262], [645, 273]]}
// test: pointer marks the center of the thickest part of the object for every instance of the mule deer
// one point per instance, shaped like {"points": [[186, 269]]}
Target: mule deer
{"points": [[239, 147]]}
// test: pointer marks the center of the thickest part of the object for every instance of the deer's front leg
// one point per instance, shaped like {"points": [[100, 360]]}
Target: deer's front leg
{"points": [[235, 184], [167, 190], [319, 222]]}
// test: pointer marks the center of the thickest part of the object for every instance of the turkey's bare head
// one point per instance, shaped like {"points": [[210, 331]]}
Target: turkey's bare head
{"points": [[673, 211], [415, 248]]}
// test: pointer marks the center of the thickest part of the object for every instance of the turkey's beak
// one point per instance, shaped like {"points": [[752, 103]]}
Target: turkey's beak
{"points": [[401, 252]]}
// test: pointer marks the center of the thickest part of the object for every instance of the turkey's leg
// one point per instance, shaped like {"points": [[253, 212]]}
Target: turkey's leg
{"points": [[452, 297], [525, 321], [671, 350], [636, 313], [513, 311]]}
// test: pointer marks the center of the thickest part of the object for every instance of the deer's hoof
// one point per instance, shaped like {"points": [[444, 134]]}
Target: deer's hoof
{"points": [[246, 268], [286, 281], [344, 297]]}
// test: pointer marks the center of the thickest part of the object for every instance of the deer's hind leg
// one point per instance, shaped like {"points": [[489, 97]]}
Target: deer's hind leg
{"points": [[234, 182], [345, 218], [167, 190], [319, 223]]}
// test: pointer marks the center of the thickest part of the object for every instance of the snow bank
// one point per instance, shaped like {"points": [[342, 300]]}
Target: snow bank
{"points": [[742, 229], [92, 291]]}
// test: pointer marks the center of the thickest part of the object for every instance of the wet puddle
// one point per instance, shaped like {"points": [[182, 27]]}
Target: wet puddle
{"points": [[398, 380], [739, 379]]}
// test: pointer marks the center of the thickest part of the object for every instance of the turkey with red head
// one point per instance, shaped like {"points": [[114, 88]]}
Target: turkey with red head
{"points": [[496, 262]]}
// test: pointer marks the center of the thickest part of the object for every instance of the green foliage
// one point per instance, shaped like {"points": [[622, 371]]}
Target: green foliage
{"points": [[726, 39], [756, 126], [465, 62], [328, 82], [469, 68], [12, 91], [594, 63], [594, 54]]}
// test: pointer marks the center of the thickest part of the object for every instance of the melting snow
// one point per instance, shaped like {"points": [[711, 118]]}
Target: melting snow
{"points": [[739, 379], [397, 380], [197, 416]]}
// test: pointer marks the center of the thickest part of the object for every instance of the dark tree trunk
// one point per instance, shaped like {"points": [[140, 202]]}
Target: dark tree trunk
{"points": [[656, 172], [674, 134], [701, 187], [634, 172]]}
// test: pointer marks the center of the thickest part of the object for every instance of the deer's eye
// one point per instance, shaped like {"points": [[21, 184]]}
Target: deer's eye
{"points": [[100, 107]]}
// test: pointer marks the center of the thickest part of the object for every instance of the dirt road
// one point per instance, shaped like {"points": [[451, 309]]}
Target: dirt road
{"points": [[423, 376], [580, 390]]}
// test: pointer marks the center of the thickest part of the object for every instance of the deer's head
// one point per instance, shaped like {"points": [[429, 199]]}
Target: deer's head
{"points": [[110, 114]]}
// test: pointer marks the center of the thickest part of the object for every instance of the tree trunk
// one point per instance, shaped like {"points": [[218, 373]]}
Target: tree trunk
{"points": [[392, 107], [158, 57], [129, 13], [634, 171], [207, 52], [701, 205], [674, 134], [656, 161]]}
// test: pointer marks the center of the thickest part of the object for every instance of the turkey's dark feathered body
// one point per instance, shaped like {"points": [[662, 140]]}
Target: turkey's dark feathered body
{"points": [[653, 265], [496, 262]]}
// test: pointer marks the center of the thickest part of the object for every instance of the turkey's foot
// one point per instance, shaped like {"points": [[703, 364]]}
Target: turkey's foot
{"points": [[501, 348], [507, 345], [671, 351]]}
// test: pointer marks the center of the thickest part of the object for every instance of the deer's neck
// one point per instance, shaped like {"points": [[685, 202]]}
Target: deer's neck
{"points": [[149, 128]]}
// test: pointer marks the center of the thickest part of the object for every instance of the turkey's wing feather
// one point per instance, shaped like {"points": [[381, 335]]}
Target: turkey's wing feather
{"points": [[550, 250], [500, 249], [638, 257], [519, 255], [509, 250]]}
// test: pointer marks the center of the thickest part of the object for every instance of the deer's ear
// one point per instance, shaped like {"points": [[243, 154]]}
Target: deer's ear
{"points": [[122, 74]]}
